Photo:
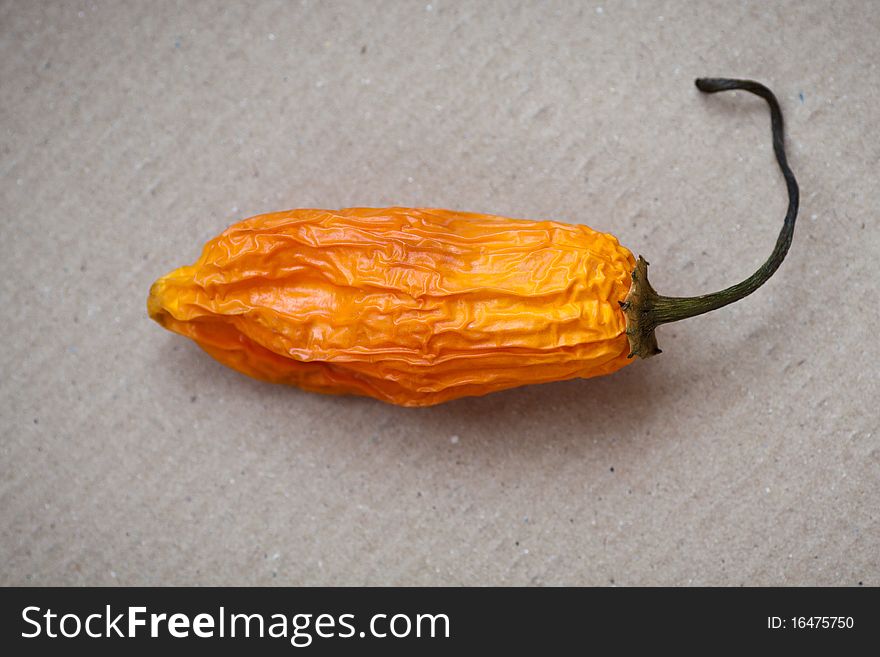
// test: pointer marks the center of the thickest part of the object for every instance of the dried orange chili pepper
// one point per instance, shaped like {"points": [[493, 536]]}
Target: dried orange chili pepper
{"points": [[420, 306]]}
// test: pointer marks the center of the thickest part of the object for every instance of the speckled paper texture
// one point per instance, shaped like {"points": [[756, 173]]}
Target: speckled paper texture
{"points": [[747, 453]]}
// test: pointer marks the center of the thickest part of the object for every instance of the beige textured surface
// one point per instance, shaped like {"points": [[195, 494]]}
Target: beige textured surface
{"points": [[748, 453]]}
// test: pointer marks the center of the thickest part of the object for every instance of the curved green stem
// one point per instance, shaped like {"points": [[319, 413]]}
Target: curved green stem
{"points": [[646, 310]]}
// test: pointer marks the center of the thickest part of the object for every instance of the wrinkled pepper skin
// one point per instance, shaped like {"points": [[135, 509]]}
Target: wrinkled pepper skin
{"points": [[409, 306]]}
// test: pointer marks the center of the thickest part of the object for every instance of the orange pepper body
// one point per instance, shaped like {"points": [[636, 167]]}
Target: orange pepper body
{"points": [[410, 306]]}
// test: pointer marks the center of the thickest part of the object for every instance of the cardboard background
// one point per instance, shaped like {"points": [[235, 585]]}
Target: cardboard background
{"points": [[748, 453]]}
